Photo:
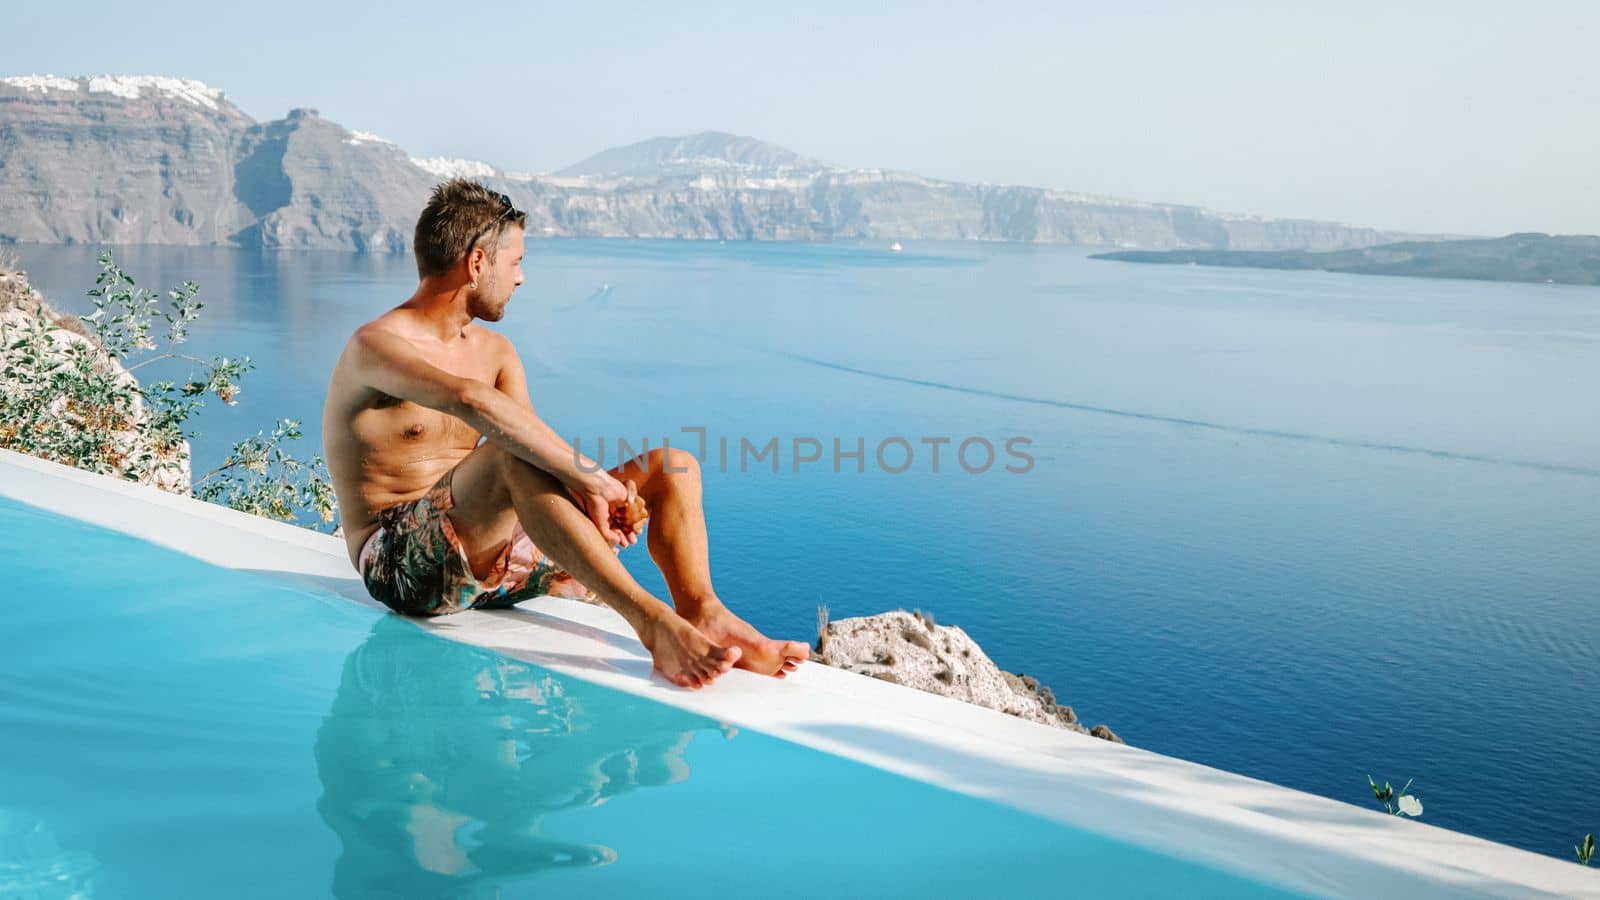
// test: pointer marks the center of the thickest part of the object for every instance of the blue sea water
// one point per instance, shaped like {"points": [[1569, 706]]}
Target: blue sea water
{"points": [[1303, 526], [174, 729]]}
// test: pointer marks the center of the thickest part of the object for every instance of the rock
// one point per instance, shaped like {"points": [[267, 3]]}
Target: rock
{"points": [[1024, 684], [909, 648], [1104, 733]]}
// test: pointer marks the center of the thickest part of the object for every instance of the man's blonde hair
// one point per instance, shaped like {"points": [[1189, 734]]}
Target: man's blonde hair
{"points": [[459, 216]]}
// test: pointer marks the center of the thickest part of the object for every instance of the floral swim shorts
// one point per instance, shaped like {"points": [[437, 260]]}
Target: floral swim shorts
{"points": [[414, 564]]}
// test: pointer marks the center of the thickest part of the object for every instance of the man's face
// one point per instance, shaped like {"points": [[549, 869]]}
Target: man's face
{"points": [[500, 278]]}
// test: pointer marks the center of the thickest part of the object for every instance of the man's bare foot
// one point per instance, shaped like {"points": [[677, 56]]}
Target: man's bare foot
{"points": [[760, 653], [683, 654]]}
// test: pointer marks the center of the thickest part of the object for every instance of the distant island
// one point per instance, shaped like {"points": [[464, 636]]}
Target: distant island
{"points": [[1560, 259], [157, 160]]}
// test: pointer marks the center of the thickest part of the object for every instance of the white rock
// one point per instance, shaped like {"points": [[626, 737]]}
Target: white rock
{"points": [[910, 649]]}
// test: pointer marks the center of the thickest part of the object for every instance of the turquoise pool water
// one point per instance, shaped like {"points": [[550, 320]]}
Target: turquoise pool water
{"points": [[170, 728]]}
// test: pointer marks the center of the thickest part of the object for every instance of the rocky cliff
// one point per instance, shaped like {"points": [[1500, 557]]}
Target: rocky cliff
{"points": [[911, 649], [162, 160], [167, 161], [118, 161], [311, 183]]}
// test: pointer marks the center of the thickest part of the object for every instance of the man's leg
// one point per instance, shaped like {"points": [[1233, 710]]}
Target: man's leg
{"points": [[669, 482], [494, 490]]}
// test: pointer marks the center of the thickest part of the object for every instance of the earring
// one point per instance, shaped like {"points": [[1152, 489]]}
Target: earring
{"points": [[473, 286]]}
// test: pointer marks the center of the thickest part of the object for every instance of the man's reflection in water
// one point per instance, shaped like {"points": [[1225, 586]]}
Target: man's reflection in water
{"points": [[438, 760]]}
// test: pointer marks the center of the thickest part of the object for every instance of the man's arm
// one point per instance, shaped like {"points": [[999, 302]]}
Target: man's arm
{"points": [[512, 379], [389, 363]]}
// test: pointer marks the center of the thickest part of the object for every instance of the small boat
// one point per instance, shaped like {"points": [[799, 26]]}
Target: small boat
{"points": [[896, 247]]}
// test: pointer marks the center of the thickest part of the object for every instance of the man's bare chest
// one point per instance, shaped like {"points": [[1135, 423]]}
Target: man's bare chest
{"points": [[391, 423]]}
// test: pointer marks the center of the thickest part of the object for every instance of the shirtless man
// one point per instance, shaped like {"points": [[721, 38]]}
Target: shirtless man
{"points": [[437, 522]]}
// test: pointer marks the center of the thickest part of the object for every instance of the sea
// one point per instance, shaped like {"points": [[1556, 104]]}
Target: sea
{"points": [[1304, 526]]}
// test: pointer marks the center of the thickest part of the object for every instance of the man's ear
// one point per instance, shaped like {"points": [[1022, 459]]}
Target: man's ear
{"points": [[475, 263]]}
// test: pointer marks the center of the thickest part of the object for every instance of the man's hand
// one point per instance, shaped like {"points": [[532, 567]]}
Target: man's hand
{"points": [[615, 509], [629, 518]]}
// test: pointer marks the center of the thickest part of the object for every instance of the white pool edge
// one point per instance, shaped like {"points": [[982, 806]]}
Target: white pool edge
{"points": [[1251, 827]]}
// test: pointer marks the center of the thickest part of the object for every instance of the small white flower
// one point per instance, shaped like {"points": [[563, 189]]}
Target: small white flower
{"points": [[1410, 806]]}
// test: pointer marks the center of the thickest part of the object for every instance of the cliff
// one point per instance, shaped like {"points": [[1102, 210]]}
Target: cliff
{"points": [[118, 161], [167, 161], [1559, 259]]}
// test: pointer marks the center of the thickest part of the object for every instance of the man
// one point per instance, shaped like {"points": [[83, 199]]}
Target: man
{"points": [[437, 522]]}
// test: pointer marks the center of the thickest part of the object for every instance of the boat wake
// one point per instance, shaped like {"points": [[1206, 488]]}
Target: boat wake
{"points": [[1279, 434]]}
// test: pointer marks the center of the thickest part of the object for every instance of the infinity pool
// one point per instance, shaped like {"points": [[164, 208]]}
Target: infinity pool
{"points": [[171, 728]]}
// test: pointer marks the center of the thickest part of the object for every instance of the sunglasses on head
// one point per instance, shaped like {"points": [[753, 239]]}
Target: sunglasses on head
{"points": [[506, 211]]}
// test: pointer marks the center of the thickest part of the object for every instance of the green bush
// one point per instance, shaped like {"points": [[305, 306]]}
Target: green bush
{"points": [[74, 399]]}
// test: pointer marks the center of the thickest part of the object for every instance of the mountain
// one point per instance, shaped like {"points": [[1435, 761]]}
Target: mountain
{"points": [[689, 155], [1563, 259], [160, 160]]}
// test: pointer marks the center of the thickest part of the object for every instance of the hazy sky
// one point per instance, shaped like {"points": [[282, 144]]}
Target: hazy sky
{"points": [[1464, 117]]}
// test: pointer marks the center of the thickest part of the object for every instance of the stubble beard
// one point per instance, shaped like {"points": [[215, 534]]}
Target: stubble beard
{"points": [[482, 305]]}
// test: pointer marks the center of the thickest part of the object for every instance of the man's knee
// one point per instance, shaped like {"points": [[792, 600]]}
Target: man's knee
{"points": [[673, 461]]}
